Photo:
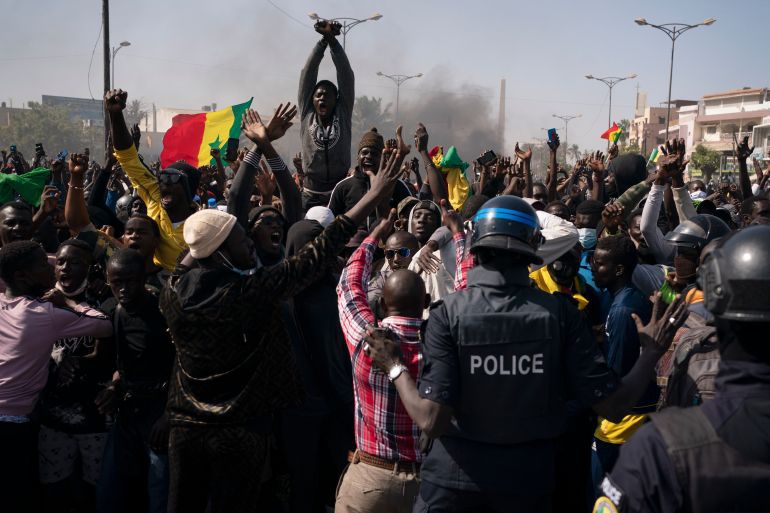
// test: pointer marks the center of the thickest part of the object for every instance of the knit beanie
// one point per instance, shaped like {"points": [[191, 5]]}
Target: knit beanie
{"points": [[372, 139], [206, 230]]}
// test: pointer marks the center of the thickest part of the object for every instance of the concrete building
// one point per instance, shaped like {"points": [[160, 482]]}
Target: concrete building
{"points": [[89, 111], [720, 116], [648, 127], [9, 114]]}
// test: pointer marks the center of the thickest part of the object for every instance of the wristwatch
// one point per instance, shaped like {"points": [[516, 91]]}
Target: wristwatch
{"points": [[396, 371]]}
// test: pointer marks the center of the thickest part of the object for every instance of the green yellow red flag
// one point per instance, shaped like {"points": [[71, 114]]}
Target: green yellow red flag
{"points": [[192, 136]]}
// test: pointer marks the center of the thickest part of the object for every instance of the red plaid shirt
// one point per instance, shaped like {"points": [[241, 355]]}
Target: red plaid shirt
{"points": [[383, 427], [464, 262]]}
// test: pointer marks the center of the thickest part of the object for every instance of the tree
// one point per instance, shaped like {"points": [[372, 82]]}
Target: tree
{"points": [[54, 127], [625, 126], [706, 160], [368, 113], [134, 112], [629, 148]]}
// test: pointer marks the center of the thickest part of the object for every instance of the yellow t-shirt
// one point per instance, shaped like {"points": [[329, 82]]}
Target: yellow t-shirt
{"points": [[171, 238]]}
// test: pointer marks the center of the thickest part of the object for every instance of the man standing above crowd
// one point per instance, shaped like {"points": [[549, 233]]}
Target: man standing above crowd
{"points": [[326, 112]]}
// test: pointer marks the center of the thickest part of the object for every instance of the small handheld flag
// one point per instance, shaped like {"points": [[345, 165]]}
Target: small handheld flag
{"points": [[613, 133], [654, 156]]}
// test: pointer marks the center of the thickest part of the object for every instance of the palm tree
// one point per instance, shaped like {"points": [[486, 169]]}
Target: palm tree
{"points": [[368, 113]]}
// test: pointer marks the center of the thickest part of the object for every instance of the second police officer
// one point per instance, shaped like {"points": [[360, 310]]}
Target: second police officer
{"points": [[716, 456], [500, 360]]}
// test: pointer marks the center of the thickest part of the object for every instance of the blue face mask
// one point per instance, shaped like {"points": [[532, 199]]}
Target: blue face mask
{"points": [[587, 237]]}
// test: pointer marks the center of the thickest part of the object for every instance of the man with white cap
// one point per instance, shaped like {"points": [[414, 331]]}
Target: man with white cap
{"points": [[235, 365]]}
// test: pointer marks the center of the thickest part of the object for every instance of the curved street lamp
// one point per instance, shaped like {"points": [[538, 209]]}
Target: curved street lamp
{"points": [[115, 50], [673, 31], [347, 23], [398, 80], [566, 120], [610, 82]]}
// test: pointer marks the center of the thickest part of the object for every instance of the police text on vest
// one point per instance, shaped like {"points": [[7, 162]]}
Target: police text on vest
{"points": [[500, 365]]}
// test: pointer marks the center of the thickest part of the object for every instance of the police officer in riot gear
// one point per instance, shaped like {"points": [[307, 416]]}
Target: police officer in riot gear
{"points": [[713, 457], [500, 360]]}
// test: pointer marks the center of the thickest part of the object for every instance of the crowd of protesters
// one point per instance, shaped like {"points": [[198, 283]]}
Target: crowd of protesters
{"points": [[198, 339]]}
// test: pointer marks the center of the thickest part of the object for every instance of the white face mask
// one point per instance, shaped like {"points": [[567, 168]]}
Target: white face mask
{"points": [[697, 195], [587, 237], [75, 292], [242, 272]]}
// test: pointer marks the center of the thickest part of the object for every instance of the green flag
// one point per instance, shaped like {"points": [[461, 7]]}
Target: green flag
{"points": [[29, 186]]}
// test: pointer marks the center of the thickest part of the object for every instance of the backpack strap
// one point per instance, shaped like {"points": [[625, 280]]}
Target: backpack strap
{"points": [[683, 429]]}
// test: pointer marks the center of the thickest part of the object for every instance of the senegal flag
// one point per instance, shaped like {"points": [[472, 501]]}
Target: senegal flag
{"points": [[192, 136], [654, 156], [613, 133]]}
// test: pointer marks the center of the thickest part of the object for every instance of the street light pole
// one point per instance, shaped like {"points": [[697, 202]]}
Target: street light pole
{"points": [[347, 23], [673, 31], [398, 80], [106, 60], [566, 120], [610, 82], [115, 50]]}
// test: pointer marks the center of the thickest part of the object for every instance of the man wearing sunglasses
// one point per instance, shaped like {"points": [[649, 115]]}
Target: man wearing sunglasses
{"points": [[400, 248], [168, 197]]}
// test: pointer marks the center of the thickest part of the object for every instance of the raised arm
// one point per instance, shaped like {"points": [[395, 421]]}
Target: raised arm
{"points": [[436, 182], [75, 209], [345, 77], [742, 153], [309, 76], [597, 165], [140, 175], [654, 338], [553, 145], [262, 135], [352, 298]]}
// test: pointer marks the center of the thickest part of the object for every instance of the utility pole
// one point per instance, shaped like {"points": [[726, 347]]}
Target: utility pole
{"points": [[566, 120], [673, 31], [610, 82], [106, 55]]}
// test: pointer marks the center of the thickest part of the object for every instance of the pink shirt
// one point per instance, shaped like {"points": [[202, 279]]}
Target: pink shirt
{"points": [[28, 329]]}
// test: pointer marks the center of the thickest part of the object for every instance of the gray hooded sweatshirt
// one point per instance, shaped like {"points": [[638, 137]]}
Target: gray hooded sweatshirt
{"points": [[326, 150]]}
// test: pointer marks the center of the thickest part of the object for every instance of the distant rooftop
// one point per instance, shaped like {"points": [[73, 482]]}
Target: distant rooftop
{"points": [[735, 92]]}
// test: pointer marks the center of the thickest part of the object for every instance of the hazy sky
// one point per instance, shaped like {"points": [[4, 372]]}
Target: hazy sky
{"points": [[186, 53]]}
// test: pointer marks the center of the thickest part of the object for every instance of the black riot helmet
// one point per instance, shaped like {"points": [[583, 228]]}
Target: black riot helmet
{"points": [[123, 207], [735, 277], [507, 223], [698, 231]]}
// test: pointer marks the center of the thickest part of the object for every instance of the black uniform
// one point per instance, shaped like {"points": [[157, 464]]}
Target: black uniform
{"points": [[713, 457], [505, 357]]}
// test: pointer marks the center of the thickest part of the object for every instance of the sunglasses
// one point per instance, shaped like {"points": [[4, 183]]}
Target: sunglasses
{"points": [[390, 254], [167, 178]]}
